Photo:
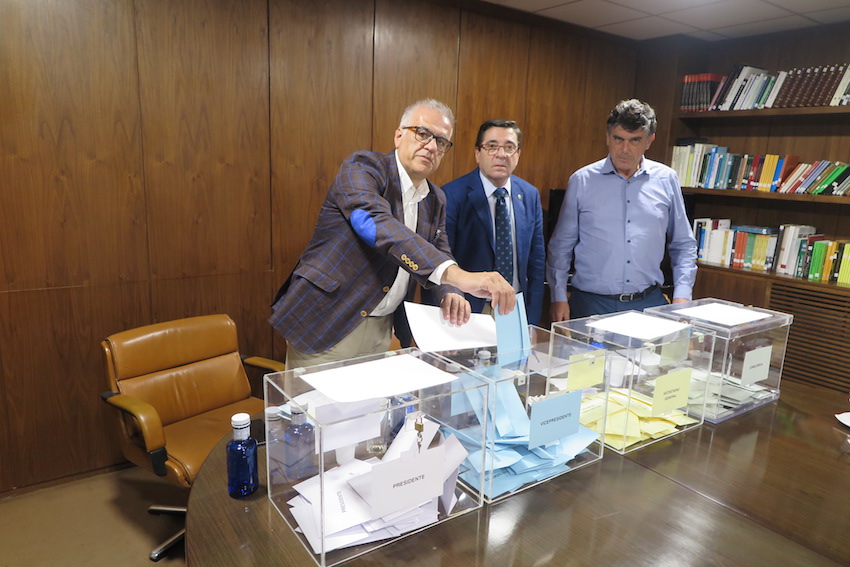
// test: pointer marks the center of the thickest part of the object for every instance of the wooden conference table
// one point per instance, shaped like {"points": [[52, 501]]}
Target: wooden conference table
{"points": [[770, 487]]}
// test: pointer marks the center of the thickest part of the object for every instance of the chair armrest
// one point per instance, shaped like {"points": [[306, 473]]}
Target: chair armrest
{"points": [[145, 415], [267, 363]]}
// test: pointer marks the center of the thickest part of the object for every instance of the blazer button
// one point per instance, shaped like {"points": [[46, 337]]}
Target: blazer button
{"points": [[364, 314], [415, 267], [385, 289]]}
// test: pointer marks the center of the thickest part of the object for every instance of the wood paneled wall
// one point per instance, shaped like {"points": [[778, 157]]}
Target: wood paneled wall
{"points": [[162, 160]]}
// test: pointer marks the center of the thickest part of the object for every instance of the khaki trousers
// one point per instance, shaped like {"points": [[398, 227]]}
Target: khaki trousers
{"points": [[372, 336]]}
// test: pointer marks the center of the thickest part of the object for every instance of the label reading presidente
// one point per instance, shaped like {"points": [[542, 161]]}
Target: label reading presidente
{"points": [[756, 365], [554, 418], [406, 482], [671, 392]]}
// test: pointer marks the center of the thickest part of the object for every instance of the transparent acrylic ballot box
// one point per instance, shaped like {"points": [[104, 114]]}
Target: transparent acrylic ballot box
{"points": [[537, 396], [653, 369], [749, 352], [370, 449]]}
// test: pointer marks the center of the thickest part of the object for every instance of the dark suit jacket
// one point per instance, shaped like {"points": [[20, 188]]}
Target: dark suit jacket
{"points": [[358, 245], [470, 228]]}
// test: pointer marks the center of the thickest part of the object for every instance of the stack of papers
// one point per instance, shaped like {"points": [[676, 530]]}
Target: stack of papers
{"points": [[629, 419], [517, 459], [365, 501], [725, 397]]}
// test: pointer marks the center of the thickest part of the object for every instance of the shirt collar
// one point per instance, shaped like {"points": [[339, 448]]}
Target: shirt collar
{"points": [[609, 169], [489, 188], [410, 193]]}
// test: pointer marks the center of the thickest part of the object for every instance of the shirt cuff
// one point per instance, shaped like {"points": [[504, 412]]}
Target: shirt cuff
{"points": [[436, 276], [683, 292]]}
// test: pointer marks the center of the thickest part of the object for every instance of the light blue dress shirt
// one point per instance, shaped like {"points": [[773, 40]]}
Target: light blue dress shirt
{"points": [[617, 229]]}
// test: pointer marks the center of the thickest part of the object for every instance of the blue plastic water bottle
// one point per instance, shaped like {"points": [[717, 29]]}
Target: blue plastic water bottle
{"points": [[242, 472], [300, 447]]}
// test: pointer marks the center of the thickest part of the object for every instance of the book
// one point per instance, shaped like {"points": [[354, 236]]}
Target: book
{"points": [[828, 178], [765, 92], [811, 77], [717, 91], [699, 226], [741, 177], [755, 229], [708, 167], [789, 246], [719, 165], [774, 91], [842, 187], [770, 256], [738, 85], [841, 87], [844, 272], [816, 261], [836, 181], [836, 262], [768, 170], [750, 246], [698, 90], [759, 252], [718, 241], [755, 171], [812, 181], [794, 186], [732, 172], [811, 175], [804, 82], [828, 260], [788, 87], [805, 264], [793, 177], [724, 89], [829, 82], [784, 166]]}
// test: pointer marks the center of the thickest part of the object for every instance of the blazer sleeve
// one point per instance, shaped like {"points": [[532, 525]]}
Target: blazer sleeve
{"points": [[368, 194]]}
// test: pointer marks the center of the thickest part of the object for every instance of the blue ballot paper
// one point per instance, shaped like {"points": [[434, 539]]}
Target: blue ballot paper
{"points": [[515, 462], [512, 339]]}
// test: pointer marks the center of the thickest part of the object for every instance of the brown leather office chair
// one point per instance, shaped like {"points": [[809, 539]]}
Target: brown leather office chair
{"points": [[177, 385]]}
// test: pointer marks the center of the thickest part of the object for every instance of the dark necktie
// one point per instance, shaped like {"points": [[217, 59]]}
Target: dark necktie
{"points": [[504, 242]]}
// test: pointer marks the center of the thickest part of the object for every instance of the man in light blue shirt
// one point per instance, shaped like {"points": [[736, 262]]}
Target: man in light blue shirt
{"points": [[618, 215]]}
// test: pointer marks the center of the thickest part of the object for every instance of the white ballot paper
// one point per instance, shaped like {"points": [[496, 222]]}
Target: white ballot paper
{"points": [[638, 326], [366, 501], [433, 333], [380, 378], [728, 315]]}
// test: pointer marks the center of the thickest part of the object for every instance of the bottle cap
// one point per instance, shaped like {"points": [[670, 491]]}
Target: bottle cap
{"points": [[272, 413], [240, 420], [296, 409], [484, 354], [453, 367]]}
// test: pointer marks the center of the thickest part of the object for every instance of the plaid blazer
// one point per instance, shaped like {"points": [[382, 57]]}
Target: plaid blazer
{"points": [[358, 245]]}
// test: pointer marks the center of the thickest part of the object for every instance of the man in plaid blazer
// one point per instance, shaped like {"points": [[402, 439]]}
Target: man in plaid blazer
{"points": [[380, 230]]}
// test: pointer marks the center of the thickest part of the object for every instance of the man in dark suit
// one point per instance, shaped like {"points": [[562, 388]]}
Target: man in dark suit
{"points": [[471, 210], [380, 230]]}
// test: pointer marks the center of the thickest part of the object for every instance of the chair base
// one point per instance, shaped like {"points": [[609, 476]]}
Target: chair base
{"points": [[159, 552]]}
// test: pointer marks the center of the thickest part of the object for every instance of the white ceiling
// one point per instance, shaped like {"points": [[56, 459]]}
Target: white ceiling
{"points": [[703, 19]]}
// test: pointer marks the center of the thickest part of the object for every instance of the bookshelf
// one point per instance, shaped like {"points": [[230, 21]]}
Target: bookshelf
{"points": [[817, 350]]}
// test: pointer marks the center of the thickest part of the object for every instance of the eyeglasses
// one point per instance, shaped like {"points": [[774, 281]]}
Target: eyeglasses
{"points": [[424, 135], [492, 147]]}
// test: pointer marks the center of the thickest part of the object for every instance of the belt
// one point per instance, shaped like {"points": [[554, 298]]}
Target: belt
{"points": [[626, 297]]}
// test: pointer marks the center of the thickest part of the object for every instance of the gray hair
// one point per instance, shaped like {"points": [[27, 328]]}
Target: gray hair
{"points": [[633, 115], [428, 103]]}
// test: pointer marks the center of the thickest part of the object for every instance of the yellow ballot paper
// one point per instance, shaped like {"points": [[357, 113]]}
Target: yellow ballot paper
{"points": [[586, 370]]}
